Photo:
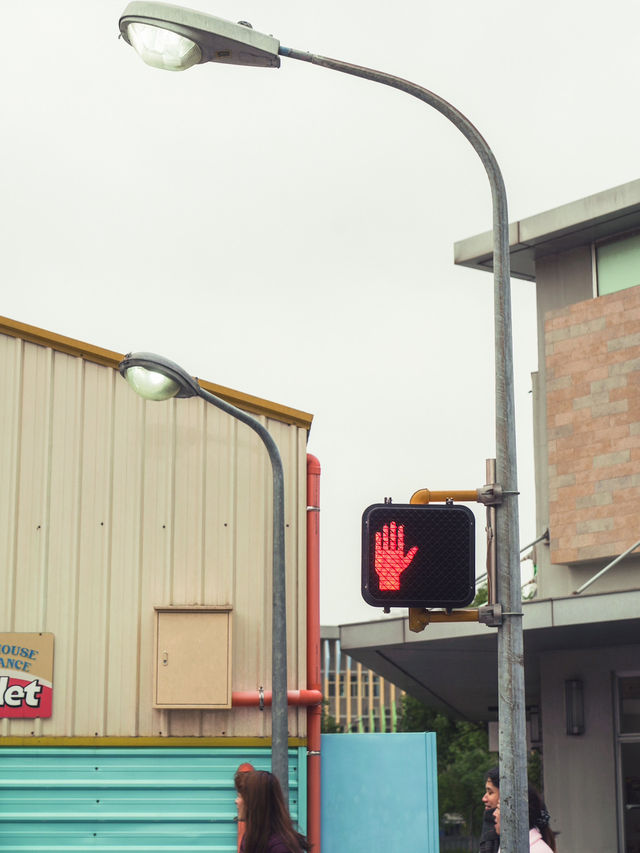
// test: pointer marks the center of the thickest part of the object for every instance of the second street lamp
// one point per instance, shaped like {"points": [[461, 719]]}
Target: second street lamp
{"points": [[206, 38], [154, 377]]}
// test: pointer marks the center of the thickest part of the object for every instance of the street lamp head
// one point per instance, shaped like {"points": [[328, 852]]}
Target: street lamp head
{"points": [[162, 48], [173, 38], [156, 378]]}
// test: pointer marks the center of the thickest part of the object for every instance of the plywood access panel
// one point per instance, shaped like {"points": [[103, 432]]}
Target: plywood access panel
{"points": [[193, 657]]}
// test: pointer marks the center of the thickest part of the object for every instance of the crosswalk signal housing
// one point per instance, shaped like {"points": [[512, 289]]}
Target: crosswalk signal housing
{"points": [[418, 556]]}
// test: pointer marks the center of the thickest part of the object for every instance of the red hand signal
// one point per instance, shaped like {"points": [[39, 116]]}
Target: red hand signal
{"points": [[390, 559]]}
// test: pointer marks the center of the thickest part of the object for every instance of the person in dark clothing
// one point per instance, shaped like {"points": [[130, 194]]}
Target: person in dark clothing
{"points": [[489, 838], [268, 825]]}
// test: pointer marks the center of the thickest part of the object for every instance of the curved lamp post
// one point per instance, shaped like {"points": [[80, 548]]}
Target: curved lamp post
{"points": [[174, 38], [156, 378]]}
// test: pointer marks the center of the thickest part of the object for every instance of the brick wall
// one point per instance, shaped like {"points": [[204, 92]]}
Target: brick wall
{"points": [[593, 426]]}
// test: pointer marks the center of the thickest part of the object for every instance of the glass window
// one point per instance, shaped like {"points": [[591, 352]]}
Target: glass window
{"points": [[629, 688], [618, 264], [354, 685]]}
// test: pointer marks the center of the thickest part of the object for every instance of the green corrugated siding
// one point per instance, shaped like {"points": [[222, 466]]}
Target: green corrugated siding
{"points": [[128, 799]]}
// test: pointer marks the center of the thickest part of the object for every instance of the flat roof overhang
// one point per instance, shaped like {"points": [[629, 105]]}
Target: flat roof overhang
{"points": [[575, 224], [453, 666]]}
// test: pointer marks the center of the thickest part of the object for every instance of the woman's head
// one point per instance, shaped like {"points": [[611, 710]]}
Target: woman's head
{"points": [[261, 805], [491, 796], [262, 796]]}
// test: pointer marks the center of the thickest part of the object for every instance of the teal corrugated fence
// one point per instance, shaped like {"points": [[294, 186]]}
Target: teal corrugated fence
{"points": [[117, 800]]}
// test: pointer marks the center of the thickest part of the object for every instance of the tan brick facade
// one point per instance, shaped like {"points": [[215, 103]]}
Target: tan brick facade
{"points": [[593, 422]]}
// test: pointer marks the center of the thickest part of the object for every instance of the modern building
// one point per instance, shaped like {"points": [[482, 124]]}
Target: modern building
{"points": [[355, 697], [582, 631], [135, 603]]}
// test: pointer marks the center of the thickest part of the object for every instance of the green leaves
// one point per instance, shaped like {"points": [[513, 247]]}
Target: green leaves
{"points": [[463, 759]]}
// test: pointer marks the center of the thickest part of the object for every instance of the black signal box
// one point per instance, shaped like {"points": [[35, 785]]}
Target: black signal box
{"points": [[416, 555]]}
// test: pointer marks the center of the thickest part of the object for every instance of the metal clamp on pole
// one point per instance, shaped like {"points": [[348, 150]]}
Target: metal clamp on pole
{"points": [[490, 615], [490, 494]]}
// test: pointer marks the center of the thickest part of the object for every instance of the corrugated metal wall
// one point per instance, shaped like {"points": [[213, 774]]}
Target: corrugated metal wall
{"points": [[127, 799], [109, 506]]}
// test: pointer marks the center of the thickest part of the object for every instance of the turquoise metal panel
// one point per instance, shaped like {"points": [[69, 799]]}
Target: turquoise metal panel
{"points": [[379, 792], [126, 799]]}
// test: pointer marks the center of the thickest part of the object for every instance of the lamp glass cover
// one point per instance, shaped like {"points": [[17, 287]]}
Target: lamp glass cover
{"points": [[163, 48], [150, 384]]}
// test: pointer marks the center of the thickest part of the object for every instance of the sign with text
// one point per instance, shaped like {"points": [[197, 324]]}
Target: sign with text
{"points": [[26, 675]]}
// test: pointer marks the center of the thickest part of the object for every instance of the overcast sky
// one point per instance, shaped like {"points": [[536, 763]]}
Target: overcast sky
{"points": [[290, 232]]}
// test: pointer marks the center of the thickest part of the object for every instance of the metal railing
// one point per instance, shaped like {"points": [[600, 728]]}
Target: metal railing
{"points": [[606, 568]]}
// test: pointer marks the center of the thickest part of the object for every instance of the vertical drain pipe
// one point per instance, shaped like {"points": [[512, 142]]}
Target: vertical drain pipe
{"points": [[314, 679]]}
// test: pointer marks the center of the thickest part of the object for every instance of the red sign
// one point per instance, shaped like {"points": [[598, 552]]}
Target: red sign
{"points": [[26, 673]]}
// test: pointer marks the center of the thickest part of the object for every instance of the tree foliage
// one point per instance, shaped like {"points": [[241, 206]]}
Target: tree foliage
{"points": [[329, 724], [463, 759], [482, 596]]}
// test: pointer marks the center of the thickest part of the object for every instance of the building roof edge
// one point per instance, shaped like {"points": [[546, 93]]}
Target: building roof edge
{"points": [[108, 358], [573, 224]]}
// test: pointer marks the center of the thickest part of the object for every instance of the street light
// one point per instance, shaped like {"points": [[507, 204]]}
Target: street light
{"points": [[154, 377], [222, 41]]}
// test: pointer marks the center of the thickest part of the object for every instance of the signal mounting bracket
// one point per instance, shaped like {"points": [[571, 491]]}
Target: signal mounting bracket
{"points": [[488, 614]]}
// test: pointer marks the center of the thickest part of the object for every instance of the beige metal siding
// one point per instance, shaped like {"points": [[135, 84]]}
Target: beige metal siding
{"points": [[109, 506]]}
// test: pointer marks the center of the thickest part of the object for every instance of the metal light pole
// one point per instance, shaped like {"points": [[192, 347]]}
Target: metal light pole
{"points": [[204, 38], [511, 700], [156, 378]]}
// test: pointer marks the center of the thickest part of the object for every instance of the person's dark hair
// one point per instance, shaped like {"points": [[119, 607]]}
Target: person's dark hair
{"points": [[539, 817], [489, 838], [266, 813], [493, 776]]}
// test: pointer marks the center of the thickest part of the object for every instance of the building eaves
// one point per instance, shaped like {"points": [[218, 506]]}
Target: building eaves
{"points": [[578, 223], [453, 666]]}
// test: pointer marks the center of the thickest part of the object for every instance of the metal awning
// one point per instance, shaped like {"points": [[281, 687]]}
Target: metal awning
{"points": [[453, 666]]}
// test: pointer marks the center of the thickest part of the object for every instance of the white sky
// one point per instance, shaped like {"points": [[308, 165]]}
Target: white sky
{"points": [[289, 232]]}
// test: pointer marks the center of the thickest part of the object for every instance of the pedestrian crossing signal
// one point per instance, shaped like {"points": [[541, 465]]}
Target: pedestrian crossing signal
{"points": [[416, 555]]}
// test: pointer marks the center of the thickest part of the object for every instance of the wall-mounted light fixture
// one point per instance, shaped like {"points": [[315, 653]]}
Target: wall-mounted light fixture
{"points": [[574, 703]]}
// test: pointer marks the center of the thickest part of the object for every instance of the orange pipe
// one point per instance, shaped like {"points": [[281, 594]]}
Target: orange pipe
{"points": [[314, 678], [250, 698]]}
